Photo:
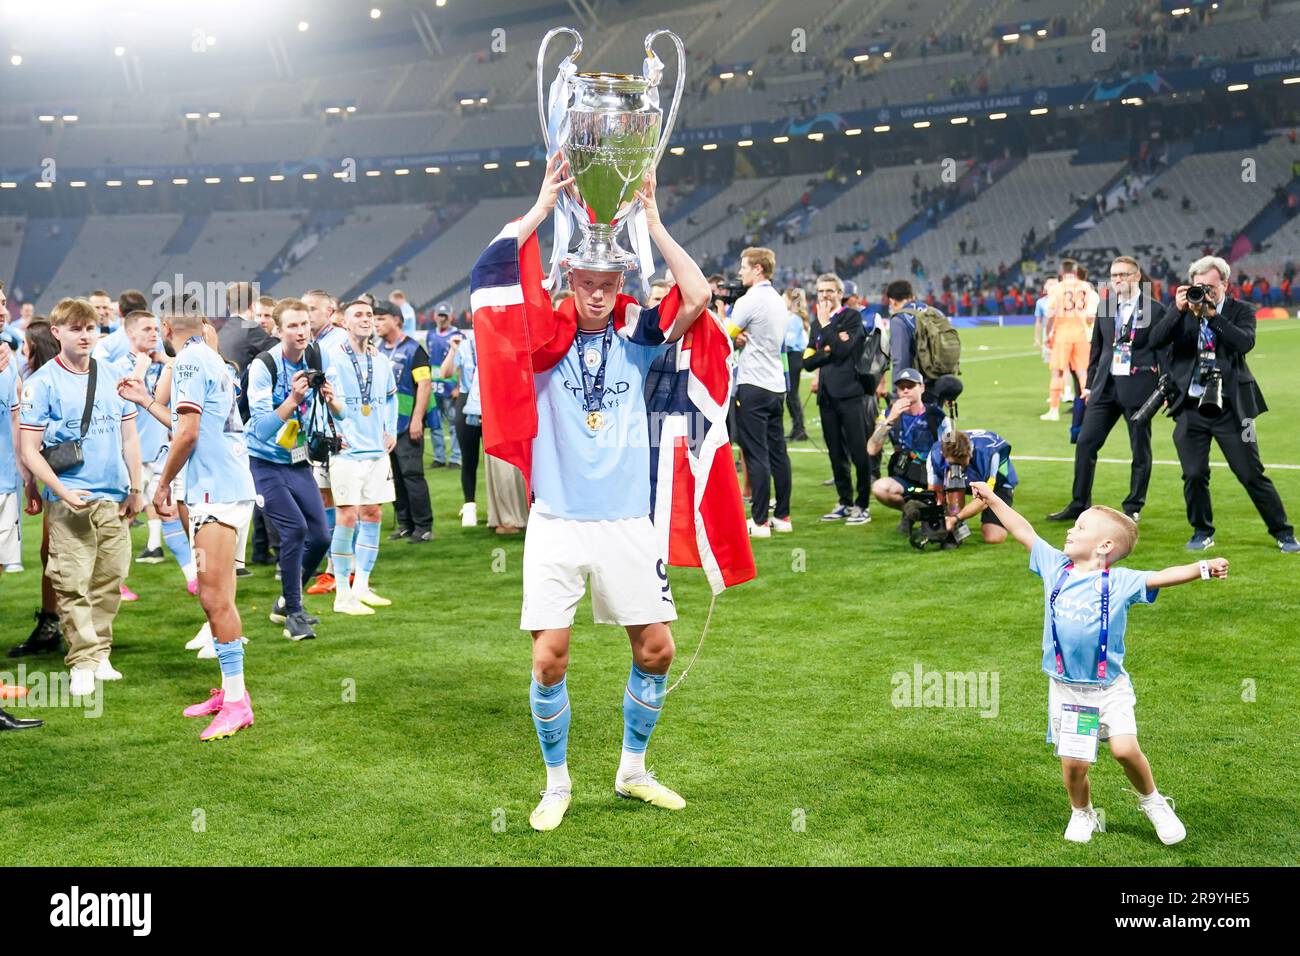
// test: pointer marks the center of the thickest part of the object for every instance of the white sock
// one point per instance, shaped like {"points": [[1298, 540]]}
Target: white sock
{"points": [[233, 687], [1152, 797], [631, 765], [190, 572], [361, 581], [342, 587], [558, 778], [155, 533]]}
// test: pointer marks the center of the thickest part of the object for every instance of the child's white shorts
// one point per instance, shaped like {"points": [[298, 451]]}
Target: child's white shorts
{"points": [[1115, 701]]}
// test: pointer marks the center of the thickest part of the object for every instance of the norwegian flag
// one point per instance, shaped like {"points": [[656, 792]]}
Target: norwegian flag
{"points": [[695, 498]]}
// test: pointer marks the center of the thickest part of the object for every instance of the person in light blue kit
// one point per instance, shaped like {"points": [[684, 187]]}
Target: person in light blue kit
{"points": [[208, 442], [1086, 601], [361, 476]]}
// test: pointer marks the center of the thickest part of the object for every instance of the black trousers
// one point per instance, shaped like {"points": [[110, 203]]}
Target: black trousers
{"points": [[762, 441], [469, 437], [1192, 434], [794, 362], [844, 428], [1098, 419], [414, 512]]}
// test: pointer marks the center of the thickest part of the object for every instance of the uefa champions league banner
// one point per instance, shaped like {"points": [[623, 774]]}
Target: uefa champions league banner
{"points": [[1151, 83]]}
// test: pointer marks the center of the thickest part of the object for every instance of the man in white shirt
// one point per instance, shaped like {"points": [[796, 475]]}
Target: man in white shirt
{"points": [[757, 325]]}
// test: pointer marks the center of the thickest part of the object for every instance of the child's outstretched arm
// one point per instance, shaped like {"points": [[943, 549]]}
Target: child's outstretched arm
{"points": [[1015, 523], [1185, 573]]}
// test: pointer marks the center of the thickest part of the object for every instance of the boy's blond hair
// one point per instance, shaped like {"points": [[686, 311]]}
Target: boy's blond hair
{"points": [[74, 312], [1124, 532]]}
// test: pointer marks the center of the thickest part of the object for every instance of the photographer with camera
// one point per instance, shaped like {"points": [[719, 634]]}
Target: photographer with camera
{"points": [[834, 345], [286, 391], [1214, 395], [966, 456], [912, 426], [1123, 372]]}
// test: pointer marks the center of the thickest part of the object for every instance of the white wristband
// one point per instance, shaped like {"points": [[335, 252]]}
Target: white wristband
{"points": [[1205, 570]]}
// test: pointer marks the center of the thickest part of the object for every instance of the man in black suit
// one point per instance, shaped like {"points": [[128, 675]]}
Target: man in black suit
{"points": [[835, 342], [1204, 341], [1122, 373], [242, 338]]}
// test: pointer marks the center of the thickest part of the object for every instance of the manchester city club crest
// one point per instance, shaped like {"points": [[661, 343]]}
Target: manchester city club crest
{"points": [[591, 357]]}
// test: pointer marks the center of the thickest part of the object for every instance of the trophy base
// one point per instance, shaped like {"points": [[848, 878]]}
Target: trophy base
{"points": [[599, 251]]}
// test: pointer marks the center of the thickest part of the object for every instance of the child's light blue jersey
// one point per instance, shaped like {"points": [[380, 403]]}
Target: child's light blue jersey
{"points": [[1078, 615], [54, 398], [217, 470], [363, 434]]}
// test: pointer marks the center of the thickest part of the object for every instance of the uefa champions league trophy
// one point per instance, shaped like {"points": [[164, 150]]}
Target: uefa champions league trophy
{"points": [[611, 130]]}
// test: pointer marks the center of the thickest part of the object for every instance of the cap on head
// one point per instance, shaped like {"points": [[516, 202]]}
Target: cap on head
{"points": [[909, 375], [850, 288], [443, 308]]}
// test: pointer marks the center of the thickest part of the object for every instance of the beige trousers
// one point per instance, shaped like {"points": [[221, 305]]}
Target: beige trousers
{"points": [[90, 553]]}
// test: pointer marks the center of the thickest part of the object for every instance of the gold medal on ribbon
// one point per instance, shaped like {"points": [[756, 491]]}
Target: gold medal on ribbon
{"points": [[595, 421], [365, 410]]}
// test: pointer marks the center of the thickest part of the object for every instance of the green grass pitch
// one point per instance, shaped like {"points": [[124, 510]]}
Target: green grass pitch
{"points": [[405, 738]]}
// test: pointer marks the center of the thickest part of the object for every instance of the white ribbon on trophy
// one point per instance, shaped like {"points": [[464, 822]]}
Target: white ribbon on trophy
{"points": [[559, 100], [638, 230]]}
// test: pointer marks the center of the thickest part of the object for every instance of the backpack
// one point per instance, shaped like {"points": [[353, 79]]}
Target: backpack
{"points": [[312, 354], [871, 362], [938, 346]]}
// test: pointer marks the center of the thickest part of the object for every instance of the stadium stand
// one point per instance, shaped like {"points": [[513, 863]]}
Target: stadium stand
{"points": [[112, 253]]}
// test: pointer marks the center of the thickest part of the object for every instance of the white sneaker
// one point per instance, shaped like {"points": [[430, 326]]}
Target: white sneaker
{"points": [[549, 813], [1161, 814], [645, 786], [208, 651], [83, 681], [759, 530], [204, 636], [469, 515], [105, 671], [782, 525], [1051, 415], [370, 598], [858, 515], [1081, 826], [14, 569], [350, 605]]}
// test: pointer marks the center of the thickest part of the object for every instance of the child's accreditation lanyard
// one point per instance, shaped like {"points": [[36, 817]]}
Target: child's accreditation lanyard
{"points": [[1105, 619]]}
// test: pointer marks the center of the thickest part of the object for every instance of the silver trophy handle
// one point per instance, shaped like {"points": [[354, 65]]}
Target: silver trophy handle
{"points": [[541, 82], [671, 119]]}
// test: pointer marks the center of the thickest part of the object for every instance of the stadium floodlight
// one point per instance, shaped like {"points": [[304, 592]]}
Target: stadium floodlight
{"points": [[212, 180], [483, 100], [853, 132], [1291, 79], [338, 175], [376, 13], [677, 150], [887, 54], [708, 147], [816, 137], [303, 26], [193, 116], [374, 172], [333, 109], [1130, 101], [8, 185], [1040, 111], [862, 58], [70, 117], [119, 51], [310, 176], [1010, 37], [214, 115], [42, 184], [433, 170], [958, 120], [276, 178], [880, 129], [1041, 33], [407, 172], [521, 163], [439, 3], [921, 124], [491, 165], [144, 182], [180, 181], [749, 72], [780, 139], [113, 183], [746, 142], [78, 184], [726, 75], [248, 179], [1238, 87], [351, 109], [997, 116], [467, 101], [16, 60], [1180, 11], [46, 118]]}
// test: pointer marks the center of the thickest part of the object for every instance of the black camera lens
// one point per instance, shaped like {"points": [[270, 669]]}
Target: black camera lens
{"points": [[1196, 294]]}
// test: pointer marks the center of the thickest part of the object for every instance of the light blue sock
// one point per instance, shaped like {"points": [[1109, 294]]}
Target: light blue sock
{"points": [[551, 715], [230, 655], [341, 554], [643, 699], [329, 526], [367, 545], [177, 542]]}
